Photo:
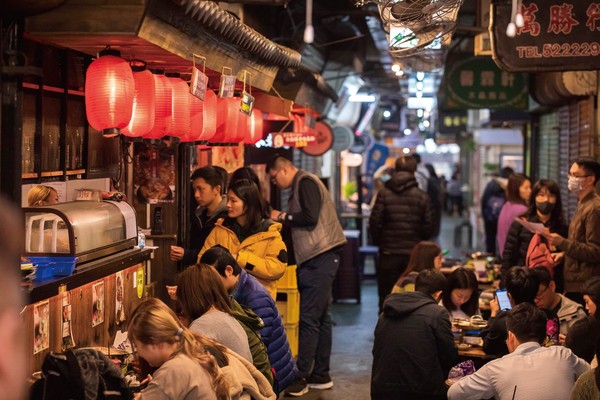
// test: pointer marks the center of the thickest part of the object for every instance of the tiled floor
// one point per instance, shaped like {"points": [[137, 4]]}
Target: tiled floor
{"points": [[353, 332]]}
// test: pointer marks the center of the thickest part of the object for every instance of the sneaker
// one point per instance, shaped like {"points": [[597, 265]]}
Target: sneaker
{"points": [[297, 388], [320, 382]]}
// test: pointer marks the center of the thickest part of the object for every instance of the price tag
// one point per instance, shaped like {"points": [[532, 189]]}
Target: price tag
{"points": [[198, 83], [227, 86], [247, 103]]}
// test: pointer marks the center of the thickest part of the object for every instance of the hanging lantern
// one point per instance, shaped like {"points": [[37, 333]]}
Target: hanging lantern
{"points": [[144, 102], [196, 119], [227, 119], [255, 127], [163, 109], [109, 92], [209, 116], [180, 113], [242, 130]]}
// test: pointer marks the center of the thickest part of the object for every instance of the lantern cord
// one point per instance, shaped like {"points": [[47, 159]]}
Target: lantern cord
{"points": [[277, 93], [194, 56], [285, 126]]}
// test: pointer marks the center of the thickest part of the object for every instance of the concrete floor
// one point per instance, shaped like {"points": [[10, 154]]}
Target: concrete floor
{"points": [[351, 357]]}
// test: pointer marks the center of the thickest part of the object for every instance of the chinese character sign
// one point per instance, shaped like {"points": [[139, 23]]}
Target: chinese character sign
{"points": [[486, 86], [557, 35]]}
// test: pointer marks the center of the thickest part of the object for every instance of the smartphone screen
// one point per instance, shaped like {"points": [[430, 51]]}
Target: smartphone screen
{"points": [[503, 300]]}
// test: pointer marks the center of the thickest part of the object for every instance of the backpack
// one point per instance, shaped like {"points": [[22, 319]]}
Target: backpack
{"points": [[493, 206], [539, 254], [82, 374]]}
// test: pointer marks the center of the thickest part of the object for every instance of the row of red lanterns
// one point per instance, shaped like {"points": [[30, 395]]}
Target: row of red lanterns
{"points": [[127, 98]]}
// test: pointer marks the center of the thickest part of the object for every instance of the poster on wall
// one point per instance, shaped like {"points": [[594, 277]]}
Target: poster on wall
{"points": [[119, 293], [41, 326], [154, 177], [97, 303], [228, 157], [67, 328]]}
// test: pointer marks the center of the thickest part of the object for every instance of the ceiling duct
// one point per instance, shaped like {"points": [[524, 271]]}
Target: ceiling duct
{"points": [[165, 34]]}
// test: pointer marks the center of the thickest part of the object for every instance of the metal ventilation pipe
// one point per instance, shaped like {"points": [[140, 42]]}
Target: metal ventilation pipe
{"points": [[211, 15]]}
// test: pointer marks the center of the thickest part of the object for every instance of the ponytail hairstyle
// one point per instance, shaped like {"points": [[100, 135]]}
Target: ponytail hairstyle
{"points": [[153, 322]]}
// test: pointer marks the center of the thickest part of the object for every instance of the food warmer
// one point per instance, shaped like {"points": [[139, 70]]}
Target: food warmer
{"points": [[85, 229]]}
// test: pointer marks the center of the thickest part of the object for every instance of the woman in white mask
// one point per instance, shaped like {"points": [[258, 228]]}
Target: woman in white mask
{"points": [[545, 207], [582, 247]]}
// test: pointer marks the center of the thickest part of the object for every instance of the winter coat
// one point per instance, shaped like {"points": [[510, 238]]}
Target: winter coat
{"points": [[251, 293], [262, 254], [402, 215], [413, 349], [244, 380], [252, 325], [509, 212], [582, 248], [199, 231], [517, 242]]}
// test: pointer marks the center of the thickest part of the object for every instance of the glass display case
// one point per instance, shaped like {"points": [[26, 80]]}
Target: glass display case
{"points": [[84, 229]]}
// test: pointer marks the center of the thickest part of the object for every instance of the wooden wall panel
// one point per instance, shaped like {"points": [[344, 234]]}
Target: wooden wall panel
{"points": [[81, 316]]}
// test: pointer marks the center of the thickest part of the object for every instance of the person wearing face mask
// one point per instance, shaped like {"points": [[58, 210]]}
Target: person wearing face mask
{"points": [[545, 208], [581, 249]]}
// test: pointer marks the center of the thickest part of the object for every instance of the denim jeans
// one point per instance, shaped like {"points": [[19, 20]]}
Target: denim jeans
{"points": [[315, 280]]}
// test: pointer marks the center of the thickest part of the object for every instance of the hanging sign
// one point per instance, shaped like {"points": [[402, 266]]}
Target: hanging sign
{"points": [[227, 86], [557, 35], [292, 139], [476, 82], [247, 98], [199, 81]]}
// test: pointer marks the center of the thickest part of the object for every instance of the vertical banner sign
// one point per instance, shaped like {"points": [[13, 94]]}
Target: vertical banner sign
{"points": [[476, 82], [199, 81], [247, 99], [557, 35], [227, 86]]}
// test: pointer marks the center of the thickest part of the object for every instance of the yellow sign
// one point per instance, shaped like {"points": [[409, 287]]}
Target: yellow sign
{"points": [[140, 281]]}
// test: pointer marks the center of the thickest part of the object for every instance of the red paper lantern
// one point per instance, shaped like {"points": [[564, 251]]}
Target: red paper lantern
{"points": [[196, 119], [227, 119], [162, 113], [144, 102], [209, 117], [180, 114], [243, 128], [109, 91], [255, 128]]}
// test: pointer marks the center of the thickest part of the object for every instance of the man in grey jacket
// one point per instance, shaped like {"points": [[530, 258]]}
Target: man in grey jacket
{"points": [[317, 237], [582, 248]]}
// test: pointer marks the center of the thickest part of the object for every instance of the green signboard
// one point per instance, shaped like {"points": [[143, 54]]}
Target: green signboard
{"points": [[476, 82]]}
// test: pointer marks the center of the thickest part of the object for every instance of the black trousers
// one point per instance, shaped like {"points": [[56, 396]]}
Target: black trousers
{"points": [[389, 269]]}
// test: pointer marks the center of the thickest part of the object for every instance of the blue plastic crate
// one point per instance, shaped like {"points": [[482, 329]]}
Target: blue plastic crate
{"points": [[52, 267]]}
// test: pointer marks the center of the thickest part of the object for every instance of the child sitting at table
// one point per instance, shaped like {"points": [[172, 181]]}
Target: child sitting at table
{"points": [[461, 295], [425, 255]]}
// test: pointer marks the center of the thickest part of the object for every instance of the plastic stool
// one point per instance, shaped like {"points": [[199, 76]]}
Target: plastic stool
{"points": [[364, 252], [458, 232]]}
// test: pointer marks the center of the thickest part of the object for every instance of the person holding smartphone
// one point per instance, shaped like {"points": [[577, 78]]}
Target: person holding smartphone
{"points": [[521, 287]]}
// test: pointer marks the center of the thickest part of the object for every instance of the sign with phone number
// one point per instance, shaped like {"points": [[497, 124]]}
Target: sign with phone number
{"points": [[557, 35]]}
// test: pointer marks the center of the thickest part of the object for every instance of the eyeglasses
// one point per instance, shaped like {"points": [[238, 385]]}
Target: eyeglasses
{"points": [[580, 176], [273, 180]]}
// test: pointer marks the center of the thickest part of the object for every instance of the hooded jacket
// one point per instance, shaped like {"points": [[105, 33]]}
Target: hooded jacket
{"points": [[413, 349], [402, 215], [244, 380], [262, 254], [251, 293]]}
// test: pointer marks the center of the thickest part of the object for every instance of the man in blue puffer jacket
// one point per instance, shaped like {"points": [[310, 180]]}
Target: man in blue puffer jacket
{"points": [[248, 291]]}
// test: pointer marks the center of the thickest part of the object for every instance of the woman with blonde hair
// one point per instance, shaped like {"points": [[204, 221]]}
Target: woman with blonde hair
{"points": [[185, 369], [223, 374], [42, 195]]}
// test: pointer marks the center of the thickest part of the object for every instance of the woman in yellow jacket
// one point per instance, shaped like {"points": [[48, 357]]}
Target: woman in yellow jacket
{"points": [[253, 240]]}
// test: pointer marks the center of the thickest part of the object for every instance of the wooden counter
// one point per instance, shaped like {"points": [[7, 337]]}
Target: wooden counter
{"points": [[81, 289]]}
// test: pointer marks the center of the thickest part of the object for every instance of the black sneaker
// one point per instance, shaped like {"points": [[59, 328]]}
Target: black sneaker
{"points": [[320, 382], [297, 388]]}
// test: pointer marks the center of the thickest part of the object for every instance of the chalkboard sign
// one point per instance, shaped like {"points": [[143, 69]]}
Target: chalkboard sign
{"points": [[557, 35]]}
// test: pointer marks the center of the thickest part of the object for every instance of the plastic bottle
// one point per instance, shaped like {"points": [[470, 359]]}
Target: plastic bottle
{"points": [[141, 238]]}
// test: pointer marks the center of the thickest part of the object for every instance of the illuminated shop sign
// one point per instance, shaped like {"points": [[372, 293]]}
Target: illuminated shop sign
{"points": [[557, 35]]}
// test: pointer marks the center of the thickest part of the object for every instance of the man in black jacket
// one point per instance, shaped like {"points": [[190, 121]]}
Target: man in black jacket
{"points": [[414, 348], [401, 218]]}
